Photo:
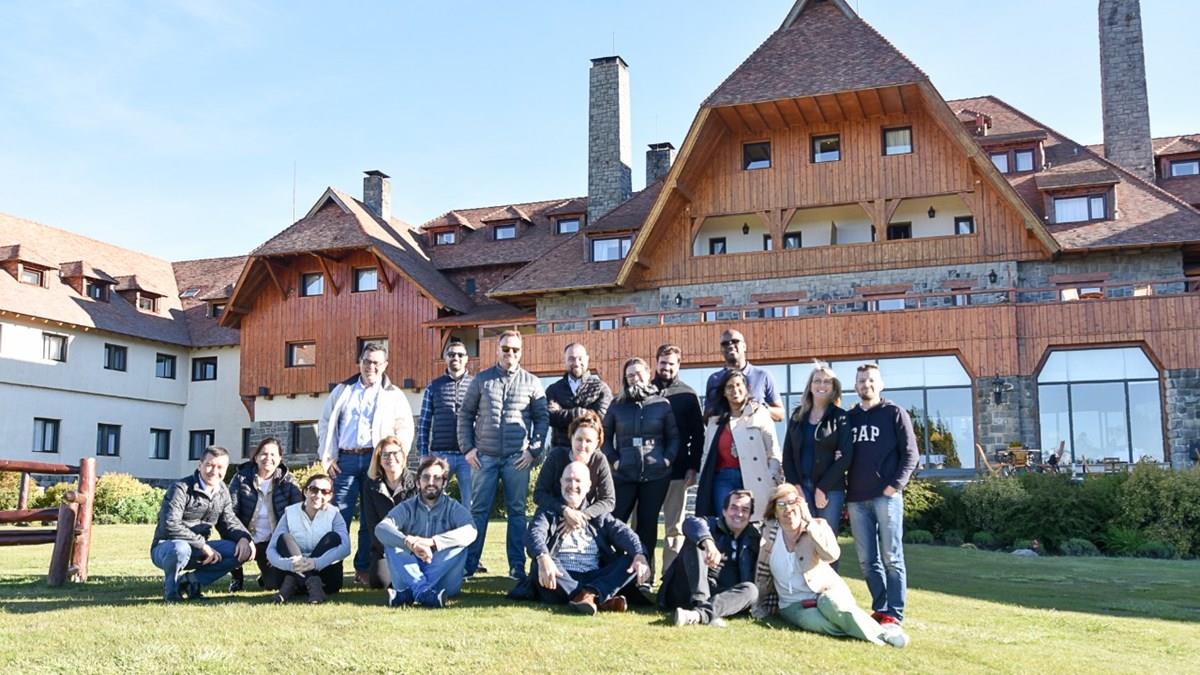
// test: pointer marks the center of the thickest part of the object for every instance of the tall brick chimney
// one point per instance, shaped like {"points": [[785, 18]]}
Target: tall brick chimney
{"points": [[610, 150], [377, 193], [658, 161], [1123, 88]]}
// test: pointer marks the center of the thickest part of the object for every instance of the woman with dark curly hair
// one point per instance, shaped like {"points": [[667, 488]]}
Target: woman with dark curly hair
{"points": [[260, 491]]}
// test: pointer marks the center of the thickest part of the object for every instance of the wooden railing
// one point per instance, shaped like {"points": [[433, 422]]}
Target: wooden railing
{"points": [[72, 537]]}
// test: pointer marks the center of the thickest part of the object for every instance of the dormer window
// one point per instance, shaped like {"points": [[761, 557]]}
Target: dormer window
{"points": [[1080, 209], [32, 277], [1185, 167], [615, 248], [567, 226], [189, 293], [444, 238], [147, 303], [1017, 160], [505, 232], [216, 309], [96, 290]]}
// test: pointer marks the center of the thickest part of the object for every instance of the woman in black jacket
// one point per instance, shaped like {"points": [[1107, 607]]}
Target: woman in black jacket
{"points": [[389, 482], [817, 449], [641, 441], [260, 491]]}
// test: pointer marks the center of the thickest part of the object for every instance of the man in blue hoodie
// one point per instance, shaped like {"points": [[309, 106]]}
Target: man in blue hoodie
{"points": [[885, 454]]}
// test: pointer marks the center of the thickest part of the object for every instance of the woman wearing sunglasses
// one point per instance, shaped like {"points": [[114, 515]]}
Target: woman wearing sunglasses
{"points": [[795, 578], [309, 544], [261, 490], [389, 482]]}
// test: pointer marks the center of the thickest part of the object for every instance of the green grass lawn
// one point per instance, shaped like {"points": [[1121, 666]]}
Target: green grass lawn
{"points": [[968, 611]]}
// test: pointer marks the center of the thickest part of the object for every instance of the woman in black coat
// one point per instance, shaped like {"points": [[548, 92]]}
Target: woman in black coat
{"points": [[389, 482], [817, 449], [641, 442], [260, 491]]}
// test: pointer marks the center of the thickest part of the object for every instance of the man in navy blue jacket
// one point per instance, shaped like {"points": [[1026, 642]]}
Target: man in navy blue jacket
{"points": [[885, 455]]}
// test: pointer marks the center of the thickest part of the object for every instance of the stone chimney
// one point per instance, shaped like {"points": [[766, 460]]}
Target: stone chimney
{"points": [[1123, 88], [610, 150], [377, 194], [658, 161]]}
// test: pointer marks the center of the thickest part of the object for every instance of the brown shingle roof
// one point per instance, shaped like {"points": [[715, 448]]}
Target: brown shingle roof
{"points": [[80, 268], [822, 51], [131, 282], [213, 278], [1173, 145], [25, 253], [1058, 180], [495, 312], [1146, 214], [476, 246], [59, 302]]}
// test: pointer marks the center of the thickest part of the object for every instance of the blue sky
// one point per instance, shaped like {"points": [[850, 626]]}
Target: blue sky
{"points": [[173, 127]]}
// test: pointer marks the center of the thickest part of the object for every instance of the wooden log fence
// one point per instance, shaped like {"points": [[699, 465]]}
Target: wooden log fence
{"points": [[72, 537]]}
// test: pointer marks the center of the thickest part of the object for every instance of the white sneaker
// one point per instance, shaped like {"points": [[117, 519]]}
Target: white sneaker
{"points": [[894, 635], [686, 617]]}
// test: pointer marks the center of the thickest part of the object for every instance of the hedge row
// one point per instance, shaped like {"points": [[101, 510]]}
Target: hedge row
{"points": [[120, 498]]}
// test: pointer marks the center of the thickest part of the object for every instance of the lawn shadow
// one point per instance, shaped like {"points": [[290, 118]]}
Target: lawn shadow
{"points": [[1121, 587]]}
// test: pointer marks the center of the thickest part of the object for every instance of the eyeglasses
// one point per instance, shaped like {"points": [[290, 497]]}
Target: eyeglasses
{"points": [[389, 454], [510, 350], [314, 490], [726, 343], [456, 355], [787, 503]]}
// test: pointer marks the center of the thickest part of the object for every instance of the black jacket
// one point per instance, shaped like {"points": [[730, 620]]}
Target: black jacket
{"points": [[378, 502], [592, 395], [285, 491], [613, 539], [739, 555], [832, 451], [189, 514], [547, 494], [689, 420], [649, 421]]}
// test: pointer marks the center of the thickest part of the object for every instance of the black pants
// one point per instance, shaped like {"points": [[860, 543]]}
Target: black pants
{"points": [[269, 577], [378, 574], [331, 576], [606, 582], [696, 586], [647, 498]]}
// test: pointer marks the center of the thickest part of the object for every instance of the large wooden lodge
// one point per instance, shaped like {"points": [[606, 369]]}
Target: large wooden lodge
{"points": [[1015, 286]]}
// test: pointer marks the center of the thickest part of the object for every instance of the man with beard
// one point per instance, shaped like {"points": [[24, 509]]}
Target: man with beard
{"points": [[690, 422], [425, 539], [759, 380], [577, 391]]}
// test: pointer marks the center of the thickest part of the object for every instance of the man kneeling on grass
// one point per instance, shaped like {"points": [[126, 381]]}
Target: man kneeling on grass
{"points": [[425, 540], [586, 565], [190, 509]]}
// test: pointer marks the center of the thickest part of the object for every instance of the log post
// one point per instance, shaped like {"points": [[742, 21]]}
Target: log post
{"points": [[23, 492], [60, 557], [82, 547]]}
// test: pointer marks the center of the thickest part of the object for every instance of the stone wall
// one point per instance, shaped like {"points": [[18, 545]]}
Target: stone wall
{"points": [[1119, 267], [1013, 419], [1183, 415], [610, 148], [1123, 88]]}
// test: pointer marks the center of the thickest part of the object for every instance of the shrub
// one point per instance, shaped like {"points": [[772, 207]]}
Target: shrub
{"points": [[1124, 541], [1079, 547], [114, 487], [1155, 549], [1030, 544], [918, 537], [301, 473], [921, 499], [52, 496], [985, 540], [1164, 506], [1053, 511], [992, 504], [953, 537]]}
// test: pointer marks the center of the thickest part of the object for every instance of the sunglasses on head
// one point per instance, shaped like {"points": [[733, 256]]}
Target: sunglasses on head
{"points": [[510, 350], [314, 490]]}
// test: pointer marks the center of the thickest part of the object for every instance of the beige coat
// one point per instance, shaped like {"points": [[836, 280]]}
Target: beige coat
{"points": [[817, 548], [758, 452]]}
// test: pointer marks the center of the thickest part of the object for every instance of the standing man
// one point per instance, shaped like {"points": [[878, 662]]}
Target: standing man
{"points": [[425, 540], [885, 455], [359, 413], [190, 510], [577, 391], [437, 427], [502, 427], [762, 385], [713, 577], [690, 421]]}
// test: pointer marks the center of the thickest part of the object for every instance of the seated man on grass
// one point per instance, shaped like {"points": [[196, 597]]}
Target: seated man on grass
{"points": [[425, 540], [587, 565], [190, 509], [713, 575]]}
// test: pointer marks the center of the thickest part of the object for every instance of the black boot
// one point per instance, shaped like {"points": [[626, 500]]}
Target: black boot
{"points": [[316, 591], [287, 589]]}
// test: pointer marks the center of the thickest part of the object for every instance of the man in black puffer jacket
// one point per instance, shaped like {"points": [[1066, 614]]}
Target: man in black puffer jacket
{"points": [[577, 391], [690, 421]]}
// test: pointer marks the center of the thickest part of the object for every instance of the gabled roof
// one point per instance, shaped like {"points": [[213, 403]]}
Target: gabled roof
{"points": [[476, 246], [822, 47], [1146, 214], [213, 278], [1174, 145], [131, 282], [510, 212]]}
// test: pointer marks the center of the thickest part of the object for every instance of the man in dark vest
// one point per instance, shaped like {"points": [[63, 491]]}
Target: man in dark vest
{"points": [[437, 427]]}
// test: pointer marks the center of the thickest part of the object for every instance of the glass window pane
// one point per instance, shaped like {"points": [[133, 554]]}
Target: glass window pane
{"points": [[901, 373], [1024, 160], [1098, 420], [1055, 368], [951, 427], [1000, 161], [912, 400], [696, 378], [780, 375], [944, 371], [1071, 210], [1145, 420], [897, 141], [1138, 365], [1097, 207], [1054, 418]]}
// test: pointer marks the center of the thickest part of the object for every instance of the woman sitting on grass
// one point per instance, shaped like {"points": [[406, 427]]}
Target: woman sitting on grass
{"points": [[389, 482], [260, 492], [794, 575], [309, 544]]}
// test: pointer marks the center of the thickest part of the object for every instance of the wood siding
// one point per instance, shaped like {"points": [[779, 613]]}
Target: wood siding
{"points": [[334, 322]]}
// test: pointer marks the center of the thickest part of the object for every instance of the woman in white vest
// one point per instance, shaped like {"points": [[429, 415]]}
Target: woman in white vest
{"points": [[309, 544], [741, 451]]}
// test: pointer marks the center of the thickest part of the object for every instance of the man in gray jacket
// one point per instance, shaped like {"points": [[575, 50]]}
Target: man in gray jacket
{"points": [[502, 427], [425, 540]]}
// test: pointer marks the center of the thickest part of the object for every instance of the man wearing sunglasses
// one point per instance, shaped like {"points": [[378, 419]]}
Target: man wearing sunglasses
{"points": [[502, 428], [437, 426], [759, 380], [358, 414]]}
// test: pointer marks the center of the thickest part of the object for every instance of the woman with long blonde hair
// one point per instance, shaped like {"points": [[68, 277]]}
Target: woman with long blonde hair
{"points": [[817, 448]]}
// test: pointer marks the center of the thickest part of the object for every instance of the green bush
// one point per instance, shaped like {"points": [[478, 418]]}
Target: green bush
{"points": [[1164, 505], [1155, 549], [985, 540], [52, 496], [1079, 547], [1124, 541], [10, 486], [1055, 509], [918, 537], [1024, 543], [921, 500], [953, 537], [301, 473], [112, 488], [993, 504]]}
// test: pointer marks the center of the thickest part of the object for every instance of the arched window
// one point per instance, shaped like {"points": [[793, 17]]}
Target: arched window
{"points": [[1104, 403]]}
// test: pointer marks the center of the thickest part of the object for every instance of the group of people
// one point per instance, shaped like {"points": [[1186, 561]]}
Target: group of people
{"points": [[763, 537]]}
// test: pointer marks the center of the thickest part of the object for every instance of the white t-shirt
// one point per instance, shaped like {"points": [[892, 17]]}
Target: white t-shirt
{"points": [[787, 569], [261, 526]]}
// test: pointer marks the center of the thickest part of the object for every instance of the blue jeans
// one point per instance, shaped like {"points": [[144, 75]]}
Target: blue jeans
{"points": [[173, 556], [833, 505], [878, 528], [462, 469], [606, 581], [444, 572], [492, 470], [724, 482], [347, 488]]}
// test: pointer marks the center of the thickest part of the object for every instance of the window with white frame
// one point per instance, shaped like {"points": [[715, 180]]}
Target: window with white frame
{"points": [[613, 248], [1079, 209], [54, 347]]}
